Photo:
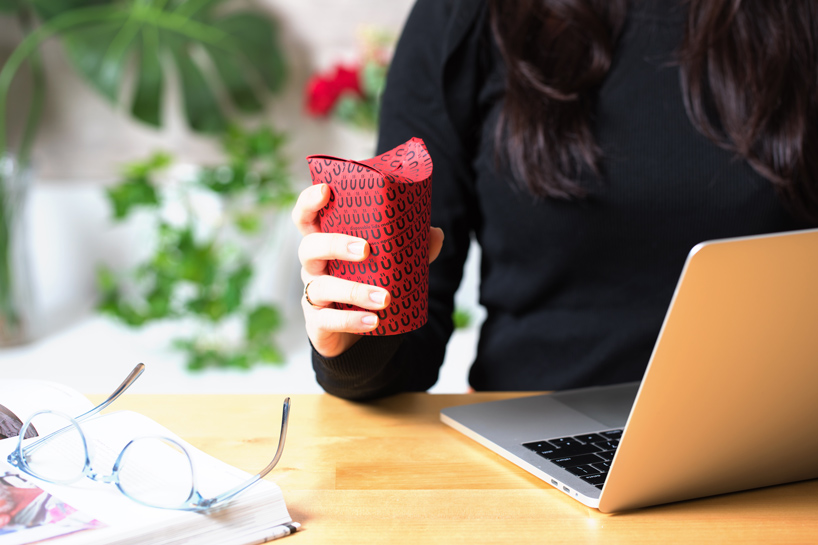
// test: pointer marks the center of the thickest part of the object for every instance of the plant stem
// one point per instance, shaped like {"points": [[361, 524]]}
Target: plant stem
{"points": [[37, 97], [8, 318], [12, 193]]}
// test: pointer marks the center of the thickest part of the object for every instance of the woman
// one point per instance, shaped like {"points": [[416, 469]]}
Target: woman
{"points": [[588, 145]]}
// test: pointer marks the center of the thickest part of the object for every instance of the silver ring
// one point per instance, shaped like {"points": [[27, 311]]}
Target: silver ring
{"points": [[307, 295]]}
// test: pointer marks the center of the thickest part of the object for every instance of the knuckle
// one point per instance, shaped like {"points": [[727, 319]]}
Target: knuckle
{"points": [[356, 293], [302, 250], [338, 245], [350, 321], [309, 248], [300, 208], [333, 321]]}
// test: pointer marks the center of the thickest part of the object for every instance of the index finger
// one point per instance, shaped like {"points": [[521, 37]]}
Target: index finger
{"points": [[305, 211]]}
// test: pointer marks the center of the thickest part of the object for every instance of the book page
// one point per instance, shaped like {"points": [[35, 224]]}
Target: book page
{"points": [[29, 514], [20, 398]]}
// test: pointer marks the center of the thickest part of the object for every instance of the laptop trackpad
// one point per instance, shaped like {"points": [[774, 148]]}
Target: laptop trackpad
{"points": [[609, 405]]}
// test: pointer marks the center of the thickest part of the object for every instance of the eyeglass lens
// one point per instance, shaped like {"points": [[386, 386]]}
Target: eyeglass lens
{"points": [[61, 458], [156, 472]]}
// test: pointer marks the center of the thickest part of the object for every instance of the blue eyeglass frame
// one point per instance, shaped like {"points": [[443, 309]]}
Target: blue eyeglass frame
{"points": [[194, 502]]}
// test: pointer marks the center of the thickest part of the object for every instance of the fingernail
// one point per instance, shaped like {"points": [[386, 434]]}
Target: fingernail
{"points": [[369, 319], [378, 297], [322, 190], [356, 248]]}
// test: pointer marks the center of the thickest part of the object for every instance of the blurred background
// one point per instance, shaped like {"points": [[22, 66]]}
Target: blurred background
{"points": [[150, 152]]}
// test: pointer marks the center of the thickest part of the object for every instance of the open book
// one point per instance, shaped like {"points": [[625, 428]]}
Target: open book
{"points": [[94, 513]]}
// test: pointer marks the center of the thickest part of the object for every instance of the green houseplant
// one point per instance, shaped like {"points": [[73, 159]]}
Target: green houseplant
{"points": [[201, 267], [213, 51]]}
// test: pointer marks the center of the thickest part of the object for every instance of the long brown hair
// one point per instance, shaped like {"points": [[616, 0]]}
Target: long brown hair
{"points": [[749, 73]]}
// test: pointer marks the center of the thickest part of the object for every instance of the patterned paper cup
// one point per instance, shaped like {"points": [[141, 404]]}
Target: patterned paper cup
{"points": [[387, 201]]}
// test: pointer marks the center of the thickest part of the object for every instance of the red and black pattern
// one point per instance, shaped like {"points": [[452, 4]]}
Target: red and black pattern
{"points": [[387, 201]]}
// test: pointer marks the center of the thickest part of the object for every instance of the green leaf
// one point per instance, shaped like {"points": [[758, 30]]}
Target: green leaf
{"points": [[277, 199], [240, 360], [147, 102], [249, 223], [236, 283], [195, 9], [201, 107], [143, 169], [159, 300], [201, 356], [207, 307], [356, 111], [262, 322], [257, 39], [197, 263], [462, 318], [130, 194], [106, 279], [8, 6], [48, 9], [179, 257], [373, 79], [268, 354], [265, 143], [243, 46], [232, 76], [88, 50]]}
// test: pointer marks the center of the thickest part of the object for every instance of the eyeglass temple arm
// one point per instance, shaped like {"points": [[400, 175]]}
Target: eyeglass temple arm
{"points": [[134, 374], [285, 417]]}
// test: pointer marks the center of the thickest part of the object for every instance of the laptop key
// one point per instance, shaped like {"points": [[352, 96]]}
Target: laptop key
{"points": [[603, 467], [574, 450], [590, 438], [606, 455], [584, 470], [573, 461], [594, 479], [612, 434], [607, 445], [539, 446]]}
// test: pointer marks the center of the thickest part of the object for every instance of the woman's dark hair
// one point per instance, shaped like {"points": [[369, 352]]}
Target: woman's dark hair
{"points": [[749, 73]]}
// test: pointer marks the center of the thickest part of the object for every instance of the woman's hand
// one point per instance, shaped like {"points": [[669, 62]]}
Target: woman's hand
{"points": [[333, 331]]}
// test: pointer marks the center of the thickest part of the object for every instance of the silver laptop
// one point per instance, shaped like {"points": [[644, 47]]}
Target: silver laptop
{"points": [[729, 400]]}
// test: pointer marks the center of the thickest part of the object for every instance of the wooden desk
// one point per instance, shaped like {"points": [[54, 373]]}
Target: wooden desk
{"points": [[390, 472]]}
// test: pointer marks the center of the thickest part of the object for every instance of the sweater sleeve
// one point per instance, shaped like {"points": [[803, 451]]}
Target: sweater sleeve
{"points": [[417, 103]]}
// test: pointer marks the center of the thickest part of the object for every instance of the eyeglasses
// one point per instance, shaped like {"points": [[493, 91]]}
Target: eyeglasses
{"points": [[64, 457]]}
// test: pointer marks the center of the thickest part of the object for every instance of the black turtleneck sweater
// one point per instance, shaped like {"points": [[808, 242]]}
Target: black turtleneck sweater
{"points": [[575, 292]]}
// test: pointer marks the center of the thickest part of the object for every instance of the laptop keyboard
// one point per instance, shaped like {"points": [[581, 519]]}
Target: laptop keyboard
{"points": [[588, 456]]}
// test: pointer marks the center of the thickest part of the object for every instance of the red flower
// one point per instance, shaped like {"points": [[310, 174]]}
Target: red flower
{"points": [[321, 96], [348, 79], [324, 90]]}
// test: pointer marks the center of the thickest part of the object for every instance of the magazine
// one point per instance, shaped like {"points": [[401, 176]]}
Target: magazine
{"points": [[89, 512]]}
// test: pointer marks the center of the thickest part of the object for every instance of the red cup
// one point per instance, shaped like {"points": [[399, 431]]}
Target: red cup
{"points": [[387, 201]]}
